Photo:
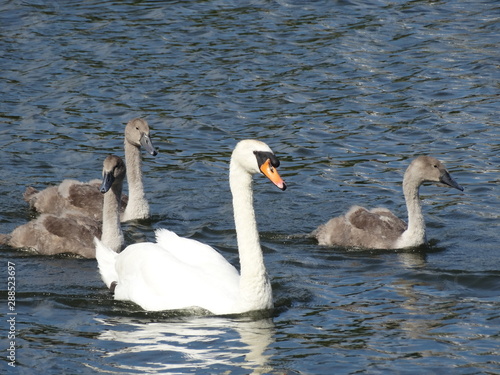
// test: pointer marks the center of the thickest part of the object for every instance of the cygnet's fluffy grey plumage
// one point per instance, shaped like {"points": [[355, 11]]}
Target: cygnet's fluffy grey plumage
{"points": [[380, 228], [72, 232], [84, 197]]}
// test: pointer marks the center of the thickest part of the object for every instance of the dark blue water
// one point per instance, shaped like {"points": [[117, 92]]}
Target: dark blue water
{"points": [[346, 93]]}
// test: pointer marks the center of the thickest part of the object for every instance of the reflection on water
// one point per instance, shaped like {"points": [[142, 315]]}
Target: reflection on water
{"points": [[412, 259], [183, 346]]}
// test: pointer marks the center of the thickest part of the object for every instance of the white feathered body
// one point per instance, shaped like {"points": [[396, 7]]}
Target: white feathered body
{"points": [[181, 273]]}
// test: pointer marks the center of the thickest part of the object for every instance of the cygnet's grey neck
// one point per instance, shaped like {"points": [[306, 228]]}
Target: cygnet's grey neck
{"points": [[112, 235], [414, 235], [137, 205]]}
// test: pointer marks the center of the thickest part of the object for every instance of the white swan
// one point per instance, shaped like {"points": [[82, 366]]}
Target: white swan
{"points": [[380, 228], [84, 197], [176, 272], [73, 233]]}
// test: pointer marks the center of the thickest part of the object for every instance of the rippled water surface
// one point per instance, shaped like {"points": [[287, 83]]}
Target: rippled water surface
{"points": [[346, 93]]}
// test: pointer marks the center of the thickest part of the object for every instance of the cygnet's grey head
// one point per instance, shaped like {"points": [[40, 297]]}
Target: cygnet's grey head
{"points": [[113, 171], [428, 169], [137, 134]]}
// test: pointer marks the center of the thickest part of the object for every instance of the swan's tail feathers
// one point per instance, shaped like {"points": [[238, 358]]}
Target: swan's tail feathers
{"points": [[165, 236], [106, 260], [4, 239], [30, 193]]}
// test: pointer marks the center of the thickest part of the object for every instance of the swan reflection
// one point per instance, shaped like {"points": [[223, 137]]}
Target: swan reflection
{"points": [[183, 345], [412, 259]]}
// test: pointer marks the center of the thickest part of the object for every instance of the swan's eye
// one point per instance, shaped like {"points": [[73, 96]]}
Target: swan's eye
{"points": [[435, 166]]}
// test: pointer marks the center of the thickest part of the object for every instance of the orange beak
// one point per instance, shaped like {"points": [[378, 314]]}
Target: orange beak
{"points": [[272, 173]]}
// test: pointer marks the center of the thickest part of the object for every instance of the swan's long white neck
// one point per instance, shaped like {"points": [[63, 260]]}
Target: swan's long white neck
{"points": [[112, 235], [137, 206], [414, 235], [255, 287]]}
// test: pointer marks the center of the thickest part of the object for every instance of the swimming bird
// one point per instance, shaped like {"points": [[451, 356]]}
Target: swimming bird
{"points": [[72, 232], [84, 197], [177, 273], [380, 228]]}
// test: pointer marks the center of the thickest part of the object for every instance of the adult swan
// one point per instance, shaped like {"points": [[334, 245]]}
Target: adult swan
{"points": [[178, 273]]}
